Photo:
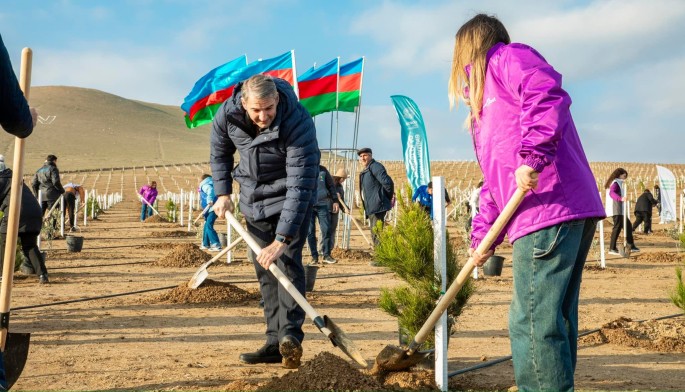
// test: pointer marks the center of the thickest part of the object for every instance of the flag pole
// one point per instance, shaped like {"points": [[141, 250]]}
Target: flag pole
{"points": [[297, 90]]}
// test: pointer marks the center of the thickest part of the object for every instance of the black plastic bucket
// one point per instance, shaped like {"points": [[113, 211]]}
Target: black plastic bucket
{"points": [[310, 276], [74, 243], [493, 267]]}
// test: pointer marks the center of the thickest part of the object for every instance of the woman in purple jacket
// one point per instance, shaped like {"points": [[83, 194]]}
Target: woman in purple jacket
{"points": [[616, 185], [148, 193], [524, 137]]}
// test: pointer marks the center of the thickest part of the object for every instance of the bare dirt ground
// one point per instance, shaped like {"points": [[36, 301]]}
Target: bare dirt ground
{"points": [[154, 334]]}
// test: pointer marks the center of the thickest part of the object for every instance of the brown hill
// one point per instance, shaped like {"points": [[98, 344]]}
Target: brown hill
{"points": [[90, 129]]}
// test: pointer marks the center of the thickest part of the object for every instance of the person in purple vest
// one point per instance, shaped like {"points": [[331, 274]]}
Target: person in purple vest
{"points": [[148, 194], [524, 137]]}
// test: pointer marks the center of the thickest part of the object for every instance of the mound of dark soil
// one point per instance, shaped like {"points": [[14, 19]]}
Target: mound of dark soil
{"points": [[173, 233], [656, 335], [660, 257], [351, 254], [183, 255], [595, 268], [158, 246], [155, 219], [210, 291], [325, 372]]}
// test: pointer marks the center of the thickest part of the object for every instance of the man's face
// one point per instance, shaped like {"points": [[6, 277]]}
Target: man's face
{"points": [[261, 111], [430, 191], [365, 158]]}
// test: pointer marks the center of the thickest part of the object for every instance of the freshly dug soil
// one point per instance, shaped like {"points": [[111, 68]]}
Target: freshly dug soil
{"points": [[325, 372], [351, 254], [155, 219], [658, 335], [594, 268], [660, 257], [174, 233], [183, 255], [210, 292], [158, 245]]}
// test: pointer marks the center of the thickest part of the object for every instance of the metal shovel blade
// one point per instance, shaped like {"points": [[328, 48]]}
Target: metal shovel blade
{"points": [[623, 250], [340, 340], [15, 354], [394, 358], [198, 278]]}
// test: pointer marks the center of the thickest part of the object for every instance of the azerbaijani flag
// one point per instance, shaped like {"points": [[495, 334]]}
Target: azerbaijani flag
{"points": [[319, 88], [202, 110], [210, 91], [350, 85]]}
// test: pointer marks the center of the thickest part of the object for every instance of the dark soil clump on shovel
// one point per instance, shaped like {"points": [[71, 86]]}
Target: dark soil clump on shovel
{"points": [[325, 372], [210, 291], [183, 255]]}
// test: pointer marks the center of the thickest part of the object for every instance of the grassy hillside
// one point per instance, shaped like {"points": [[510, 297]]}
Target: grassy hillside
{"points": [[94, 129]]}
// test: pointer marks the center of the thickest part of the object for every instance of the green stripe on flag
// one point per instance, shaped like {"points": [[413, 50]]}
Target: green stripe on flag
{"points": [[319, 103], [347, 101], [203, 116]]}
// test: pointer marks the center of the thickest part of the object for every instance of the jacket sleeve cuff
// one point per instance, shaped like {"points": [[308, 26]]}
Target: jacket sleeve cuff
{"points": [[475, 242], [537, 162]]}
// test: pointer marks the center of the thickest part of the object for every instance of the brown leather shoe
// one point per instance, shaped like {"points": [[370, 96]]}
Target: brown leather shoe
{"points": [[291, 350]]}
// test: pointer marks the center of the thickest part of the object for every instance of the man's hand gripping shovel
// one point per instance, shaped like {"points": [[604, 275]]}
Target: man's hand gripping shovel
{"points": [[393, 358], [324, 324]]}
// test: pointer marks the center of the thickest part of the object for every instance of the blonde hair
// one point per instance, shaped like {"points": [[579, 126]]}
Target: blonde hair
{"points": [[471, 45]]}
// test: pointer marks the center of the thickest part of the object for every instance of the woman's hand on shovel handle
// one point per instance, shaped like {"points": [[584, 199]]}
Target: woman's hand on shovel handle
{"points": [[479, 259], [526, 178], [271, 253], [223, 203]]}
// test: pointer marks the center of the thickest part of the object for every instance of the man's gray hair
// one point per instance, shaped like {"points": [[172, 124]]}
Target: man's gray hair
{"points": [[259, 87]]}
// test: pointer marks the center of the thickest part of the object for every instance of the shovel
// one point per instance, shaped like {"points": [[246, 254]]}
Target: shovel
{"points": [[14, 346], [202, 273], [393, 358], [356, 222], [148, 203], [324, 324]]}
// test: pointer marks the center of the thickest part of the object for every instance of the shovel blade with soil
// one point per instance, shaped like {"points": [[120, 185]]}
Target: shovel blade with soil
{"points": [[324, 324], [201, 274], [393, 358]]}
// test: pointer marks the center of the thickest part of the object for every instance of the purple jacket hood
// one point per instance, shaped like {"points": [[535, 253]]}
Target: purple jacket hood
{"points": [[526, 119]]}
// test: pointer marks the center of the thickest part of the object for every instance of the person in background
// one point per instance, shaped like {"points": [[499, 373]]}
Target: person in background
{"points": [[47, 181], [424, 196], [524, 138], [18, 119], [71, 192], [279, 162], [474, 202], [148, 194], [210, 238], [339, 177], [657, 197], [377, 190], [327, 203], [615, 185], [643, 211]]}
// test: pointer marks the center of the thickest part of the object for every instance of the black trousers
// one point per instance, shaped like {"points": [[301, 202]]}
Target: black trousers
{"points": [[29, 246], [282, 314], [618, 225], [373, 218], [643, 216], [69, 207]]}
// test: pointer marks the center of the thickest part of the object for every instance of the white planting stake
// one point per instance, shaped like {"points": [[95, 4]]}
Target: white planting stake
{"points": [[440, 265], [61, 216], [40, 203], [182, 205]]}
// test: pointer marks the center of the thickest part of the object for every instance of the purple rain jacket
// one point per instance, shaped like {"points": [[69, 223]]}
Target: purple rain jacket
{"points": [[149, 193], [526, 119]]}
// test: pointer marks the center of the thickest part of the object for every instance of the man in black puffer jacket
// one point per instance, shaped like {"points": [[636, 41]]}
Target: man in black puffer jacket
{"points": [[47, 180], [377, 190], [277, 172]]}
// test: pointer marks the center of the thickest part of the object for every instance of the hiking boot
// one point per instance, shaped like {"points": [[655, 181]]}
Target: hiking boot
{"points": [[614, 252], [27, 269], [329, 260], [291, 350], [43, 279], [267, 354]]}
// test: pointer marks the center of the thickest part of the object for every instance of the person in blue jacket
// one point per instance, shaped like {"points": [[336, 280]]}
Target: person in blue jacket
{"points": [[210, 238], [279, 163], [424, 196]]}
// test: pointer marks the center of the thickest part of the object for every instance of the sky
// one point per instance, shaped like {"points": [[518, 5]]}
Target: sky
{"points": [[622, 61]]}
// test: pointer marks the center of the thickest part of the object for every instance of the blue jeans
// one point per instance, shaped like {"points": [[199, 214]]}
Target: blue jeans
{"points": [[323, 213], [209, 235], [543, 316], [145, 212]]}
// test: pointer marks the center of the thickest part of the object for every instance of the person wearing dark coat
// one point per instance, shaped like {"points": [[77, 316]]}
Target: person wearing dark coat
{"points": [[377, 190], [643, 211], [657, 197], [326, 204], [47, 180], [279, 162]]}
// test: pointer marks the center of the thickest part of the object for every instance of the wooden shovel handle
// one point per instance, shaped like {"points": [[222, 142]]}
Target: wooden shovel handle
{"points": [[282, 279], [15, 206], [466, 270], [354, 220]]}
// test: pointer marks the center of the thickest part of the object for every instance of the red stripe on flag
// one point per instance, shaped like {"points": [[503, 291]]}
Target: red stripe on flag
{"points": [[315, 87], [213, 98], [285, 74], [350, 82]]}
